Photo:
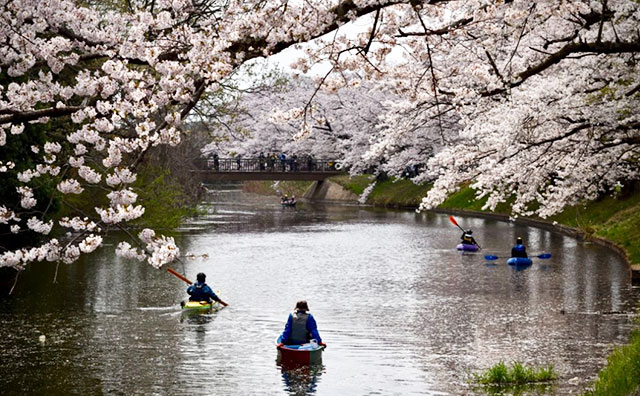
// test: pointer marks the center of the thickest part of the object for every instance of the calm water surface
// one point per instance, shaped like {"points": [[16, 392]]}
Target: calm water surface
{"points": [[402, 312]]}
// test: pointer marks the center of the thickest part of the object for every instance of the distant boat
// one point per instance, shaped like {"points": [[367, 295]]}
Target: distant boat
{"points": [[300, 355], [289, 203]]}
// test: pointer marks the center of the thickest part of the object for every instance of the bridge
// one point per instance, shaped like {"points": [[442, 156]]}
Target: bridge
{"points": [[222, 169]]}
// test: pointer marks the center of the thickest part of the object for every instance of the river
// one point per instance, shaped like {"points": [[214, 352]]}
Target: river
{"points": [[402, 312]]}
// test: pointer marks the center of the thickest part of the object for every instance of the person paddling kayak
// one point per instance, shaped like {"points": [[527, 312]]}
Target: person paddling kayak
{"points": [[200, 291], [467, 238], [301, 327], [519, 250]]}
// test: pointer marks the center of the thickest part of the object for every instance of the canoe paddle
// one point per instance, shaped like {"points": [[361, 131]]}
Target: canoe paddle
{"points": [[452, 220], [179, 276], [540, 256]]}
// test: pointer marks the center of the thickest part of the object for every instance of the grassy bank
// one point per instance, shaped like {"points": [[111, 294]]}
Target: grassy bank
{"points": [[621, 376]]}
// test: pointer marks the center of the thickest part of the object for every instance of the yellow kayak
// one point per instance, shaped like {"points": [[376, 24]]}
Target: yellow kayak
{"points": [[199, 306]]}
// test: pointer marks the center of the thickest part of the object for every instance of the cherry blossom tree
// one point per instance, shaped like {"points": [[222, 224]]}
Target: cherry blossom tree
{"points": [[543, 94], [339, 124]]}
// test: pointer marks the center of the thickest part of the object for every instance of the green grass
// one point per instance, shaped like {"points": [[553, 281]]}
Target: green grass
{"points": [[465, 199], [400, 193], [355, 184], [515, 374], [621, 376], [616, 219]]}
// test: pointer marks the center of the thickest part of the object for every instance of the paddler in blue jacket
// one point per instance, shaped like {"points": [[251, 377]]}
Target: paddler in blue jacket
{"points": [[200, 291], [301, 327], [519, 250]]}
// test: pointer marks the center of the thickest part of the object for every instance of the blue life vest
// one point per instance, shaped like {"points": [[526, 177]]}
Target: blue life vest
{"points": [[519, 251], [201, 292]]}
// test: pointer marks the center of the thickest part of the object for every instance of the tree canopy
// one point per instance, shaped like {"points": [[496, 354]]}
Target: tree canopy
{"points": [[532, 100]]}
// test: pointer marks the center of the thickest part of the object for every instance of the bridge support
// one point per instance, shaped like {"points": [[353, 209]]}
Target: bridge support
{"points": [[327, 190]]}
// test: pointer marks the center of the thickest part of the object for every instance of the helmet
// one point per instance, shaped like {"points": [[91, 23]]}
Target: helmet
{"points": [[469, 232], [200, 277]]}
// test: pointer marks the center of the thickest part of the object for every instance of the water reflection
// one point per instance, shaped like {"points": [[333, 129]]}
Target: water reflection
{"points": [[301, 380]]}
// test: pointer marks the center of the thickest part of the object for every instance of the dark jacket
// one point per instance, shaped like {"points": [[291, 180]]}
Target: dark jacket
{"points": [[467, 239], [519, 251], [300, 328], [201, 292]]}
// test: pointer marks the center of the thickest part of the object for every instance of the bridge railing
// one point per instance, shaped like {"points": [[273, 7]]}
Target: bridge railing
{"points": [[269, 165]]}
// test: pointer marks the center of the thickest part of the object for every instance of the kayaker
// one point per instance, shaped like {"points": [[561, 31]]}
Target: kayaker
{"points": [[519, 250], [200, 291], [467, 238], [301, 327]]}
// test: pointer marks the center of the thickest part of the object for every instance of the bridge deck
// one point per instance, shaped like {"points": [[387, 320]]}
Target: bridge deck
{"points": [[265, 169]]}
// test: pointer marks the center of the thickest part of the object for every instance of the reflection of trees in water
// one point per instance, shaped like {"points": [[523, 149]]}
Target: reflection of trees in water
{"points": [[301, 380]]}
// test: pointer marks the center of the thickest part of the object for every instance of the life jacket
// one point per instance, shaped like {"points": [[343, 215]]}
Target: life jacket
{"points": [[518, 251], [199, 292], [299, 332], [467, 239]]}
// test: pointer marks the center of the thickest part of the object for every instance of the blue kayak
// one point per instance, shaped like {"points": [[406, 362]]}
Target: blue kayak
{"points": [[467, 248], [519, 261]]}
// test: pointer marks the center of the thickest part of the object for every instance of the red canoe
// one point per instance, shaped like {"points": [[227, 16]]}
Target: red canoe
{"points": [[304, 354]]}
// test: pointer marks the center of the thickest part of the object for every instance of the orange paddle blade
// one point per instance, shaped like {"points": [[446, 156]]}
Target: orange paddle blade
{"points": [[172, 272]]}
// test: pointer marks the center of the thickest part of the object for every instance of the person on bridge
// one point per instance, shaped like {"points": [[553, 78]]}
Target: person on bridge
{"points": [[200, 291], [301, 327], [283, 161], [467, 238], [238, 159], [216, 162], [261, 161], [519, 250], [271, 161]]}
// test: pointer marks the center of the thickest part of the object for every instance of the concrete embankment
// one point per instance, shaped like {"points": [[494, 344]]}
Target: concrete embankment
{"points": [[327, 190]]}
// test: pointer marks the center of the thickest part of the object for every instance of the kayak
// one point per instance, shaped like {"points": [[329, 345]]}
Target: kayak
{"points": [[197, 307], [467, 248], [289, 203], [304, 354], [519, 261]]}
